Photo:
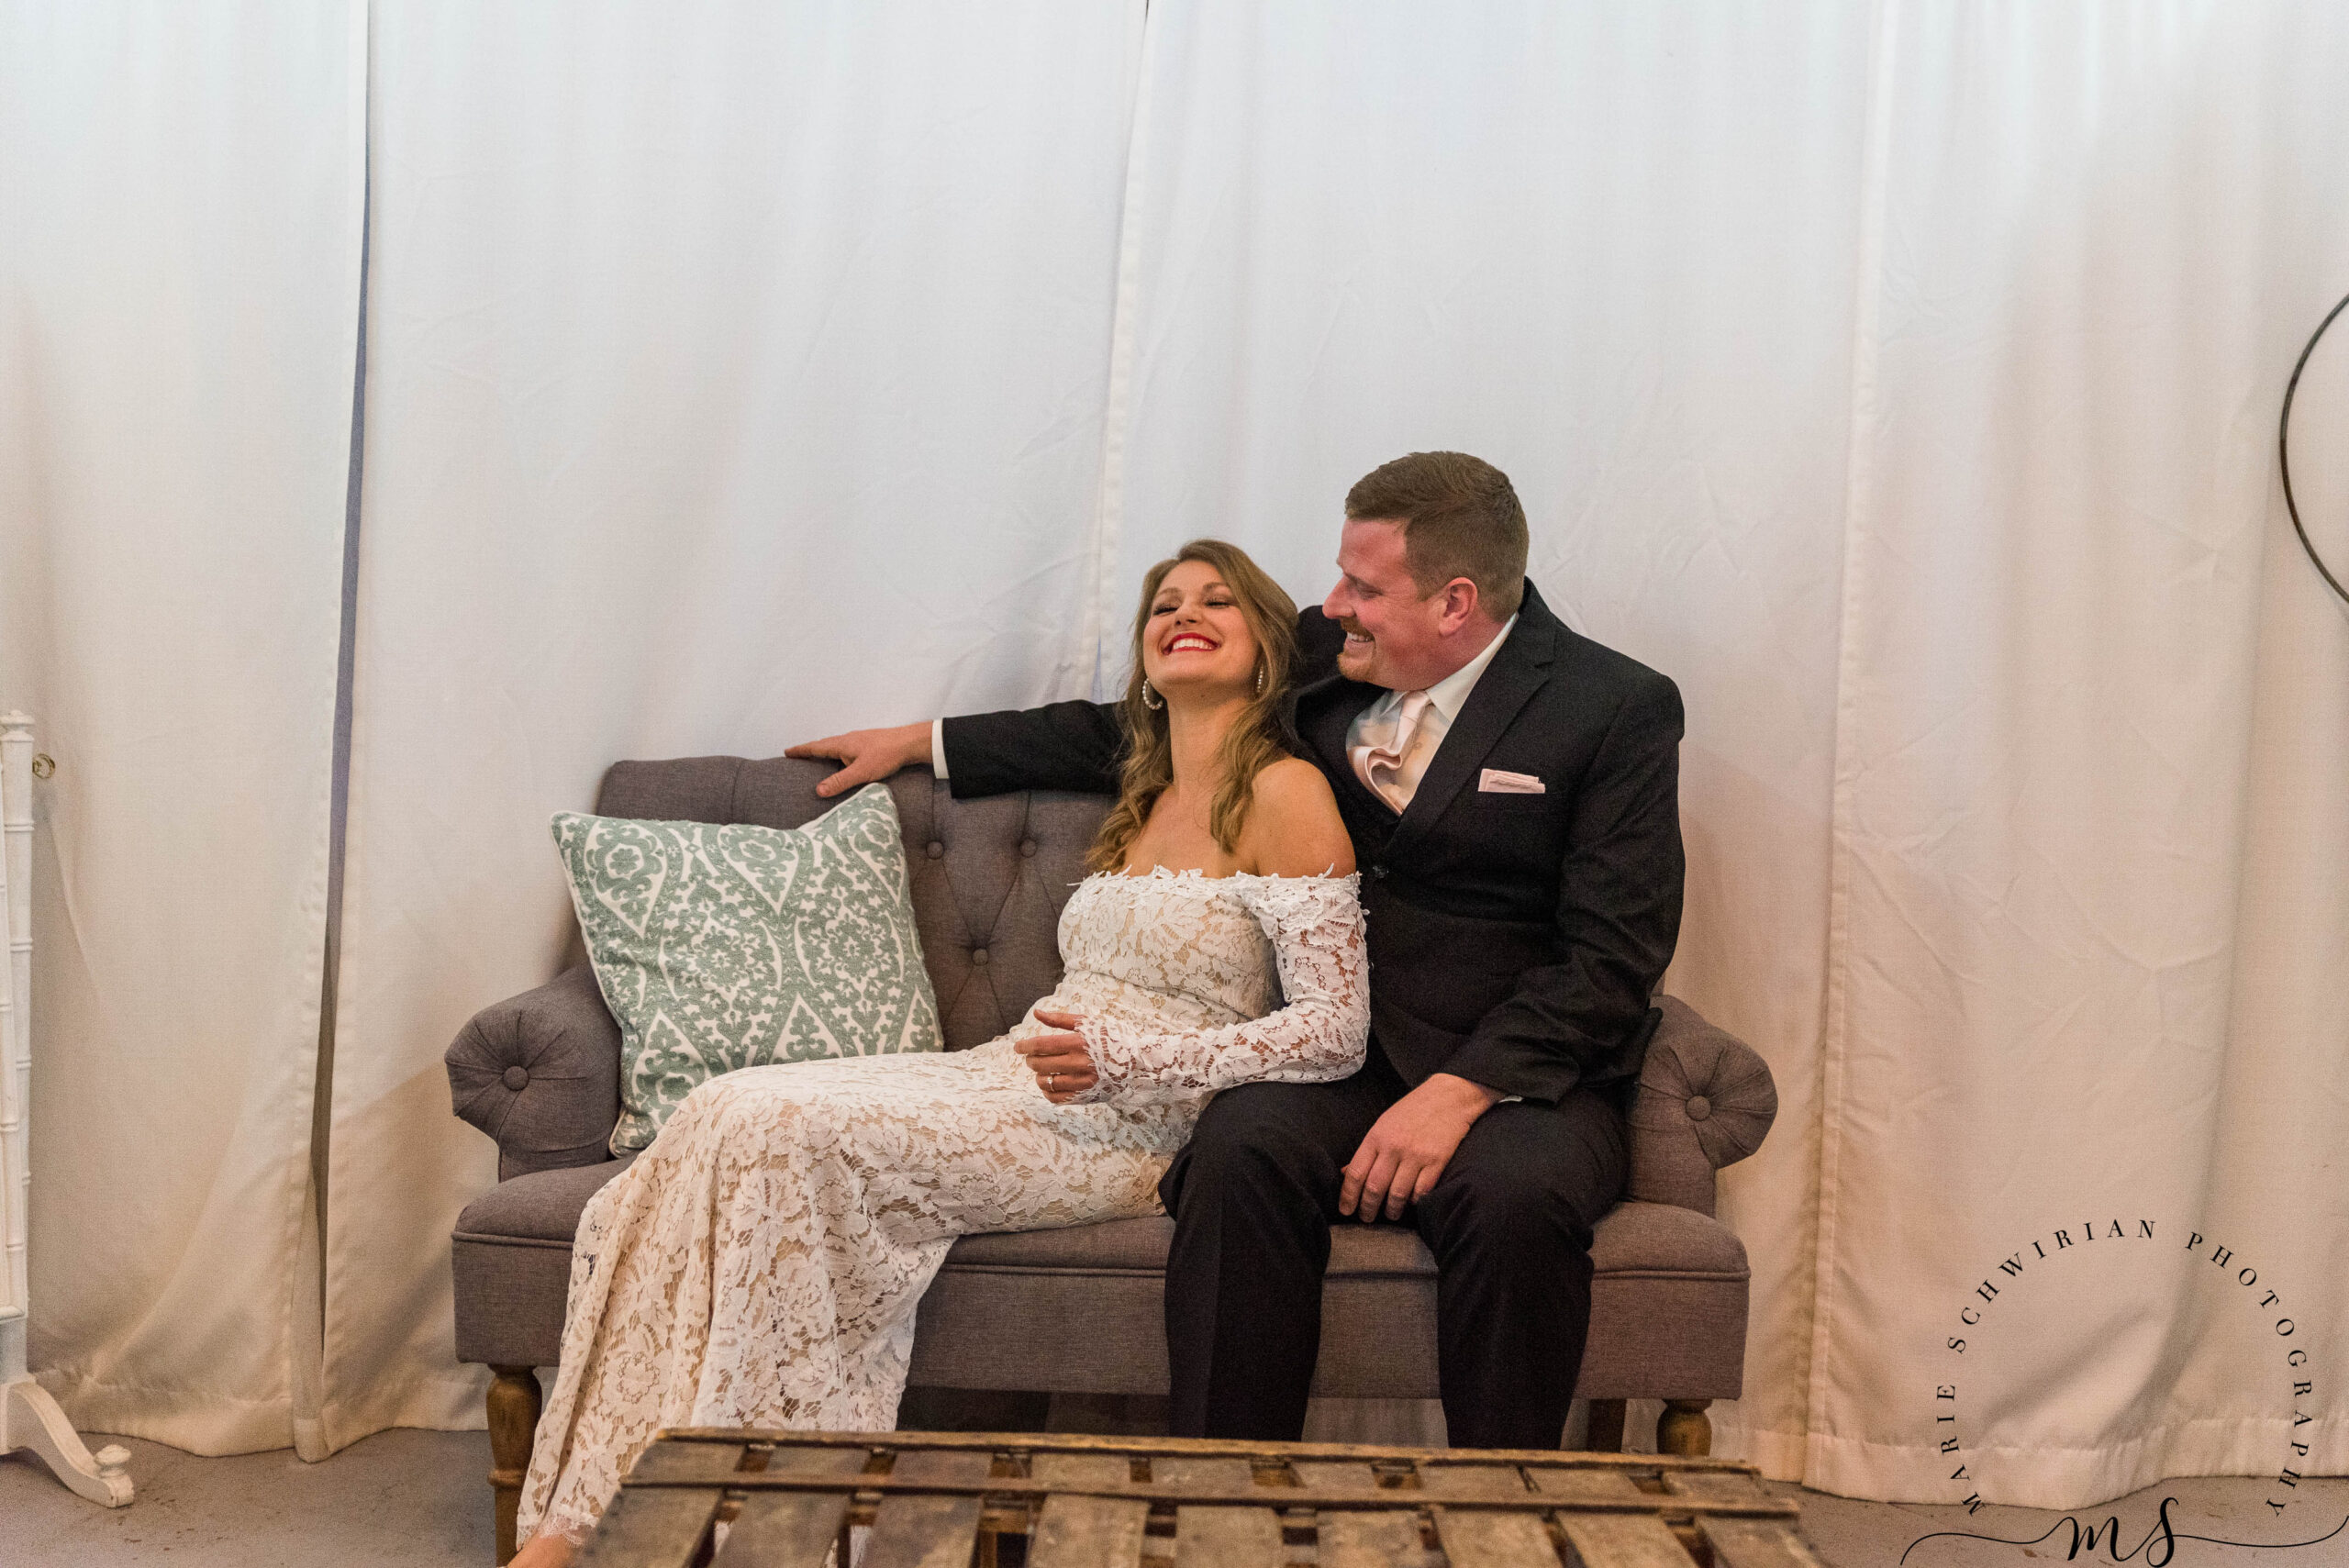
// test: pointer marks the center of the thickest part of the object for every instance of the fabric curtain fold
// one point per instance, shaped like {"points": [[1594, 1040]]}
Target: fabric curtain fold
{"points": [[735, 376], [1900, 378], [181, 196], [2069, 732], [1613, 250]]}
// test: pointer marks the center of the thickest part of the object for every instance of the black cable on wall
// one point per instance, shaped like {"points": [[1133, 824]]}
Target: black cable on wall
{"points": [[2284, 453]]}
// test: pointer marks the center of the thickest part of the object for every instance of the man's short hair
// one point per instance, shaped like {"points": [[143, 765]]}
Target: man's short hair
{"points": [[1461, 517]]}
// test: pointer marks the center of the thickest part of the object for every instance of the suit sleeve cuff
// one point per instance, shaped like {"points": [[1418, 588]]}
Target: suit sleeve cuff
{"points": [[938, 747], [1514, 1073]]}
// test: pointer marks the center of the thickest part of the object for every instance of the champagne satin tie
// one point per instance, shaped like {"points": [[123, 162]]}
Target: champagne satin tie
{"points": [[1379, 767]]}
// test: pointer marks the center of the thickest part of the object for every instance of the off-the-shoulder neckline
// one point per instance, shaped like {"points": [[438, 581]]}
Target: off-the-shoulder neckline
{"points": [[1161, 874]]}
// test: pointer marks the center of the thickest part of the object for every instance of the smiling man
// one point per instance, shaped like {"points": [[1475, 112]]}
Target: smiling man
{"points": [[1511, 789]]}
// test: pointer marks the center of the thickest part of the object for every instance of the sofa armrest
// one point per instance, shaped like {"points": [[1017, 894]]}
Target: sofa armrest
{"points": [[1705, 1100], [541, 1073]]}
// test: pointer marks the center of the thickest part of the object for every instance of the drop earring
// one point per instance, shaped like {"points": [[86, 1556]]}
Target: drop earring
{"points": [[1263, 667], [1153, 707]]}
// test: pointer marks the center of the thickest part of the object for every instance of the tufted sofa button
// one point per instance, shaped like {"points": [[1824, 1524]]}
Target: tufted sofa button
{"points": [[1027, 847], [1699, 1107], [979, 957], [933, 848], [517, 1077]]}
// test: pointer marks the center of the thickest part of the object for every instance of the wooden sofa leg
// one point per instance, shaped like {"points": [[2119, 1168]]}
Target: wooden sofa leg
{"points": [[514, 1401], [1605, 1426], [1682, 1430]]}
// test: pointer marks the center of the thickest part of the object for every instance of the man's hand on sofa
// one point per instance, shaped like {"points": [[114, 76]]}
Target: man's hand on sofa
{"points": [[866, 754], [1409, 1147]]}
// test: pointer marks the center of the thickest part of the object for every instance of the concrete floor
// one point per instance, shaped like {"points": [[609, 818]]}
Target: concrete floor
{"points": [[408, 1497], [396, 1499]]}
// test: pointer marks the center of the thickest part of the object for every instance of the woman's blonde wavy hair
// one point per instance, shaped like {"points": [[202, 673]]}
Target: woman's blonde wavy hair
{"points": [[1259, 737]]}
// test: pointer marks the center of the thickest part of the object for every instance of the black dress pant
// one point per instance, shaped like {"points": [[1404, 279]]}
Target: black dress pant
{"points": [[1254, 1195]]}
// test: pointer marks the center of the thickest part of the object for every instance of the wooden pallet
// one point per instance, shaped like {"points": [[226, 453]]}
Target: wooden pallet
{"points": [[739, 1499]]}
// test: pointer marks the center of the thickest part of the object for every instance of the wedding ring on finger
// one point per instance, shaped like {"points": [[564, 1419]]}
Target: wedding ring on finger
{"points": [[1051, 1082]]}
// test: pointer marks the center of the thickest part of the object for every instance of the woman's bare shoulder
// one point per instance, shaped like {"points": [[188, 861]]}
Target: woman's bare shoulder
{"points": [[1294, 828], [1294, 775]]}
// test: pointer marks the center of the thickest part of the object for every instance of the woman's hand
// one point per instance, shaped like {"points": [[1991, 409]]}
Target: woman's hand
{"points": [[1061, 1060]]}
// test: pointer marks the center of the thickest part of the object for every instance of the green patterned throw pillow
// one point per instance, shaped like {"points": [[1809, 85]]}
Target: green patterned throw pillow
{"points": [[726, 947]]}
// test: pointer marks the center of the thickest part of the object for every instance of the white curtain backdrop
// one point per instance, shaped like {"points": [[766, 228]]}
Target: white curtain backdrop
{"points": [[2063, 989], [1900, 378], [1612, 249], [181, 196], [735, 375]]}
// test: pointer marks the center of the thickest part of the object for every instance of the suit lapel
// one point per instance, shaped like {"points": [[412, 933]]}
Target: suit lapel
{"points": [[1326, 710], [1321, 692], [1508, 683]]}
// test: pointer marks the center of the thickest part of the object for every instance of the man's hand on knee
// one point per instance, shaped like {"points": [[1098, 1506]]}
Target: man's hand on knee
{"points": [[866, 754], [1409, 1147]]}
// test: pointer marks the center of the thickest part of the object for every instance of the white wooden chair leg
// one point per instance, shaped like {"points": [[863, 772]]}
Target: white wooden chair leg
{"points": [[31, 1420]]}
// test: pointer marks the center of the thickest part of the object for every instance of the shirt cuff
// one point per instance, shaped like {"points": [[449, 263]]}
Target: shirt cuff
{"points": [[938, 747]]}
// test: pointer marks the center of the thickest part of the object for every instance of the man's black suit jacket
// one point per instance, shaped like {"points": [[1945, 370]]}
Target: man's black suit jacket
{"points": [[1515, 940]]}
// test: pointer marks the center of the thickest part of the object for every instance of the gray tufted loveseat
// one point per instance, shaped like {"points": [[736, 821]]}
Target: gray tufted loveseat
{"points": [[540, 1073]]}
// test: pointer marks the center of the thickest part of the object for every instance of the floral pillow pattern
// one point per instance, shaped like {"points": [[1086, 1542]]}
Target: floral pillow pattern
{"points": [[718, 948]]}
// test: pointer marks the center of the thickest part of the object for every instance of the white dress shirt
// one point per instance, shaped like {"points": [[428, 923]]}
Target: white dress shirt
{"points": [[1445, 699]]}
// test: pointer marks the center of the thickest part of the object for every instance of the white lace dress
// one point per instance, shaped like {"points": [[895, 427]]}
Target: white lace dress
{"points": [[760, 1264]]}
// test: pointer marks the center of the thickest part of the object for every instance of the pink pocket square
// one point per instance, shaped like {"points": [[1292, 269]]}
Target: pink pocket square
{"points": [[1495, 781]]}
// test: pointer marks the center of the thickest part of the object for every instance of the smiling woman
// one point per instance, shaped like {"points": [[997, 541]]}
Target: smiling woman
{"points": [[1220, 942], [1214, 644]]}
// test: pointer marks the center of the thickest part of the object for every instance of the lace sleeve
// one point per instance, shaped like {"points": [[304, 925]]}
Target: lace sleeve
{"points": [[1316, 927]]}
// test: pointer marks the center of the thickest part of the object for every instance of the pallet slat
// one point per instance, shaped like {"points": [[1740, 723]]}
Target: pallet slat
{"points": [[1624, 1540], [953, 1466], [1286, 1498], [705, 1465], [1585, 1486], [1327, 1476], [1078, 1442], [922, 1532], [1227, 1537], [1203, 1475], [1482, 1482], [1077, 1470], [1210, 1537], [784, 1529], [1713, 1486], [1089, 1532], [659, 1526], [1500, 1540], [814, 1461], [1366, 1540]]}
